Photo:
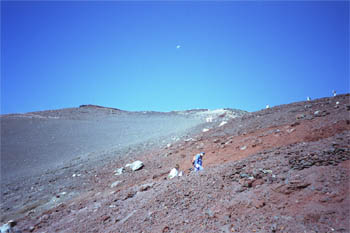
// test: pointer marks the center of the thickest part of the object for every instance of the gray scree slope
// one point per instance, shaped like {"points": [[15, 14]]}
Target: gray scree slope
{"points": [[34, 142]]}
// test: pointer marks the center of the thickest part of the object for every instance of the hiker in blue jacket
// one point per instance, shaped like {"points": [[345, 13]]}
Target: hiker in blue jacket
{"points": [[197, 161]]}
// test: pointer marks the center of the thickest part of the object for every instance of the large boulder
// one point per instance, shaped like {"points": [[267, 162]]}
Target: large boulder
{"points": [[137, 165]]}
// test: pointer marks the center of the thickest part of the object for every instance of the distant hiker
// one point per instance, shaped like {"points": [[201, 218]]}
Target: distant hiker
{"points": [[308, 98], [267, 106], [334, 93], [175, 172], [197, 161]]}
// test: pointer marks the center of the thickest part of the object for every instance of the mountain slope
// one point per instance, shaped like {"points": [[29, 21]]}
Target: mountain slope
{"points": [[42, 140], [283, 169]]}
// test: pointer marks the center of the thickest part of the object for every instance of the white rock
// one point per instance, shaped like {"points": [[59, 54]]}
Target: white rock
{"points": [[119, 171], [267, 171], [243, 147], [189, 140], [209, 119], [316, 112], [308, 98], [174, 172], [290, 130], [223, 123], [337, 103], [168, 145], [135, 165], [114, 184], [74, 175], [205, 130]]}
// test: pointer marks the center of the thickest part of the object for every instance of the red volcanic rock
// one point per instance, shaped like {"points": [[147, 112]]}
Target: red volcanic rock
{"points": [[259, 204], [257, 182]]}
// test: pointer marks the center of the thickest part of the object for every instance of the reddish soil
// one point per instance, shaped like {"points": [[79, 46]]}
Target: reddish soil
{"points": [[283, 169]]}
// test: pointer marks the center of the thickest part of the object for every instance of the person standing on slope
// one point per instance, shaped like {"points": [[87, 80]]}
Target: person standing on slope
{"points": [[197, 161]]}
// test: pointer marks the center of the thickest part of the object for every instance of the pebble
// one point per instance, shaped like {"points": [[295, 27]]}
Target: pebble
{"points": [[290, 130], [259, 204], [119, 171], [223, 123], [116, 183]]}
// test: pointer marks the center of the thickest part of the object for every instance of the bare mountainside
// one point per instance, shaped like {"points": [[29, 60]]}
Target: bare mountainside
{"points": [[37, 141], [283, 169], [41, 146]]}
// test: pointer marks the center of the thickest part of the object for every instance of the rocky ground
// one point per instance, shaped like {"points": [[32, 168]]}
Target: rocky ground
{"points": [[282, 169]]}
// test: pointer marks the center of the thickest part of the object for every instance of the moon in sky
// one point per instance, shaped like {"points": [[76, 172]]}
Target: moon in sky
{"points": [[178, 46]]}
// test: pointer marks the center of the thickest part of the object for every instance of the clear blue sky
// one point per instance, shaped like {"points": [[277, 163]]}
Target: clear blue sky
{"points": [[125, 54]]}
